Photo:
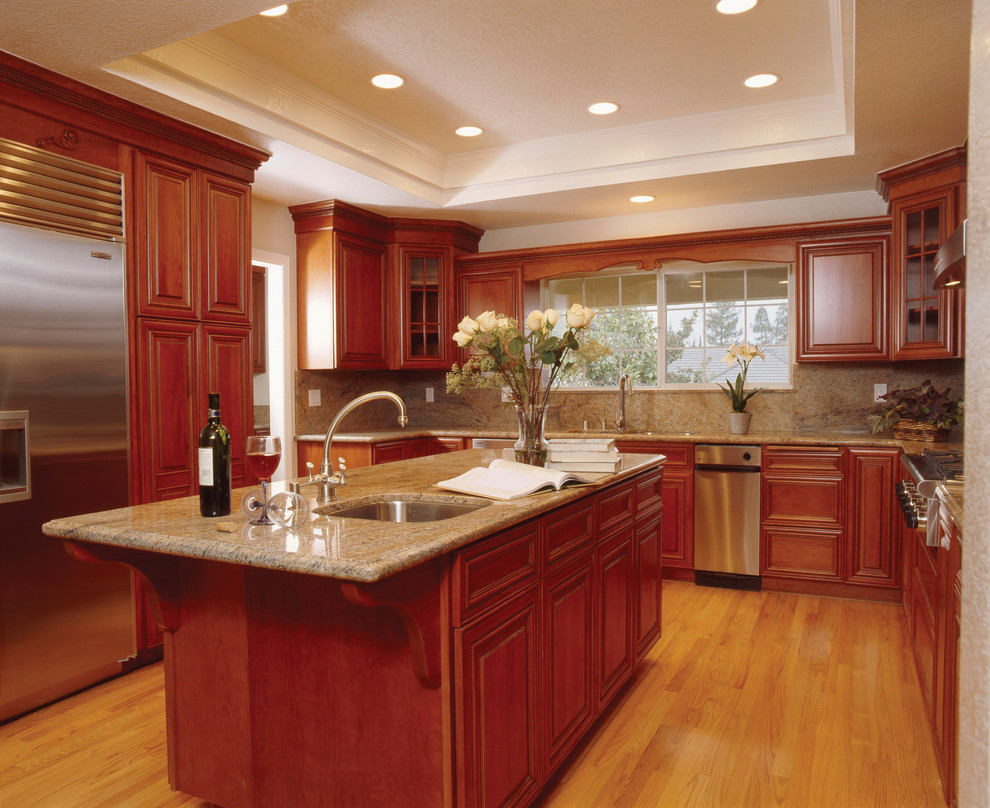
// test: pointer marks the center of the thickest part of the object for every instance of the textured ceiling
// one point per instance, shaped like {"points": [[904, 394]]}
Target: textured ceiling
{"points": [[864, 86]]}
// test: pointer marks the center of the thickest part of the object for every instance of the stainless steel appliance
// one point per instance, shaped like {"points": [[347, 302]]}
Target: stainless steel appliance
{"points": [[727, 515], [64, 435], [916, 496]]}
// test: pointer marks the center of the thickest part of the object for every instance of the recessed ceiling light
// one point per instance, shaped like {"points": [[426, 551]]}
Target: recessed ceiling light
{"points": [[603, 108], [469, 131], [388, 81], [734, 6], [762, 80], [641, 198], [277, 11]]}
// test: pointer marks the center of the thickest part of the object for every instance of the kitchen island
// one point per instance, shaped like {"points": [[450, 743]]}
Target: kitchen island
{"points": [[362, 663]]}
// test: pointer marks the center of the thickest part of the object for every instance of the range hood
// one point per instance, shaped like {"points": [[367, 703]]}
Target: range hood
{"points": [[950, 262]]}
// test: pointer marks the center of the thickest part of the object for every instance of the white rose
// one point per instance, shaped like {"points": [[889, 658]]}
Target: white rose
{"points": [[590, 315], [536, 320], [551, 316], [487, 321], [467, 326], [462, 339], [504, 322], [576, 316]]}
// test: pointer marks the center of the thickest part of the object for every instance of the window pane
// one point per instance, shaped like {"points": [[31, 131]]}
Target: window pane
{"points": [[767, 284], [684, 287], [639, 289], [639, 329], [724, 325], [725, 287], [601, 293], [767, 325], [684, 327], [562, 294]]}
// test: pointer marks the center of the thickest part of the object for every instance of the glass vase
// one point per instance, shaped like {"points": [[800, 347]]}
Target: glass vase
{"points": [[531, 448]]}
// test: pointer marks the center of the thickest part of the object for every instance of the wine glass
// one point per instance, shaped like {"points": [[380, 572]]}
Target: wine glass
{"points": [[263, 455]]}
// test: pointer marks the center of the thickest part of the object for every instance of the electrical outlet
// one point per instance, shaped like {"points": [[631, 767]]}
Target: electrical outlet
{"points": [[429, 395], [879, 390], [314, 398], [506, 394]]}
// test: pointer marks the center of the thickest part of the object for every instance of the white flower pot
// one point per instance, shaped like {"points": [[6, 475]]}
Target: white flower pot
{"points": [[739, 422]]}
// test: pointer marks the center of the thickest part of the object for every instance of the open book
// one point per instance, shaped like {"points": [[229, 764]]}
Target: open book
{"points": [[507, 479]]}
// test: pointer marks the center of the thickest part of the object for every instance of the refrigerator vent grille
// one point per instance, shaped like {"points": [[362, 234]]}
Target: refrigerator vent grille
{"points": [[47, 190]]}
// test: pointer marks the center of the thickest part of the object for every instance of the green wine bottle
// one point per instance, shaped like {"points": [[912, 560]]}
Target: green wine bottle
{"points": [[214, 464]]}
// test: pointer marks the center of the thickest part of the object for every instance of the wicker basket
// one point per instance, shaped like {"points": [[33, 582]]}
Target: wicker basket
{"points": [[906, 429]]}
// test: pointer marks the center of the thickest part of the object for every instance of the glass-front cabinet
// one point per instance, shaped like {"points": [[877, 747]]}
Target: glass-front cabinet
{"points": [[927, 202], [422, 318]]}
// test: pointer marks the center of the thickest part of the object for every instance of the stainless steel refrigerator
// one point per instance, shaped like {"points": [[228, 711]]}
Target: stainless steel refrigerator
{"points": [[64, 624]]}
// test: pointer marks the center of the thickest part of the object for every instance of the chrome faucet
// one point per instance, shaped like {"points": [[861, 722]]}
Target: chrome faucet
{"points": [[328, 479], [624, 382]]}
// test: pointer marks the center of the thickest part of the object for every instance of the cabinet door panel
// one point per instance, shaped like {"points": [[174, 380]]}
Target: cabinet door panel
{"points": [[499, 291], [616, 586], [798, 552], [678, 520], [802, 499], [227, 370], [569, 687], [167, 362], [648, 567], [225, 263], [497, 725], [360, 309], [424, 299], [165, 212], [842, 301], [872, 550]]}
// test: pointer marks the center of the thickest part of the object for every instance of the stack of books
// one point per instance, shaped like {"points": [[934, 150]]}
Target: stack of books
{"points": [[584, 454]]}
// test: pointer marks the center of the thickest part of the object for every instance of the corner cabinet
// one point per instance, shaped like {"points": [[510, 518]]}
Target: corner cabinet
{"points": [[375, 293], [842, 300], [927, 202]]}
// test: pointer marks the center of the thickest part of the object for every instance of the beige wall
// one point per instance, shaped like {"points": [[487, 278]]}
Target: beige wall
{"points": [[974, 675]]}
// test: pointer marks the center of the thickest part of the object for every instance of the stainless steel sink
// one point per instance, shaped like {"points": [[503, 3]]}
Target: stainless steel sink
{"points": [[407, 510]]}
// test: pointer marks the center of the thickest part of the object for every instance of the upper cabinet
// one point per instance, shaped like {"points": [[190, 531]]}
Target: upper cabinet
{"points": [[927, 202], [842, 294], [375, 293]]}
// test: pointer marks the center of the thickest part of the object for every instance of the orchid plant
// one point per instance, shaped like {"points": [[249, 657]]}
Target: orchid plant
{"points": [[529, 362], [741, 355]]}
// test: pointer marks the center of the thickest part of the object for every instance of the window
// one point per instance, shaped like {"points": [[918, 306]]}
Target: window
{"points": [[671, 328]]}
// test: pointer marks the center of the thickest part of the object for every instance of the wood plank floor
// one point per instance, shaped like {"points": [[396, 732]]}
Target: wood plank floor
{"points": [[749, 699]]}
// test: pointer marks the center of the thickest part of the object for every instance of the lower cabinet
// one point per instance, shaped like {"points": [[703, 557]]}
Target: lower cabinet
{"points": [[358, 455], [550, 619]]}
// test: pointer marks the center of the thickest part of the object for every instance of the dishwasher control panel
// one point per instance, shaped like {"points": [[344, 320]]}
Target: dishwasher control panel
{"points": [[726, 454]]}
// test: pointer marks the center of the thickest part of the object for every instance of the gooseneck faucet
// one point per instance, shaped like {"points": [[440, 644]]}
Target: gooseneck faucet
{"points": [[624, 382], [328, 479]]}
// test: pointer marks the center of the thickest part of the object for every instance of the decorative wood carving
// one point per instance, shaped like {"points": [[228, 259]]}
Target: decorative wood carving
{"points": [[68, 140]]}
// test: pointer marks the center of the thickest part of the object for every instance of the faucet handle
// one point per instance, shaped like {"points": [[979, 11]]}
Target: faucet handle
{"points": [[341, 468], [309, 468]]}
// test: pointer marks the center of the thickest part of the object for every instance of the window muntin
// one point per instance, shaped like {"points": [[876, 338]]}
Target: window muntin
{"points": [[671, 328]]}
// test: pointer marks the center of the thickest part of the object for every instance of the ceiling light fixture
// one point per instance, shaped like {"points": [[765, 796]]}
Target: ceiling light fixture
{"points": [[277, 11], [603, 108], [640, 199], [388, 81], [469, 131], [734, 6], [762, 80]]}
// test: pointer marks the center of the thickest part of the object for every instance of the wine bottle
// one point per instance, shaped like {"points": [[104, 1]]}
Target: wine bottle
{"points": [[214, 464]]}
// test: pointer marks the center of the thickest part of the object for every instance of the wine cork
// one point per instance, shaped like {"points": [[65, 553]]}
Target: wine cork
{"points": [[227, 527]]}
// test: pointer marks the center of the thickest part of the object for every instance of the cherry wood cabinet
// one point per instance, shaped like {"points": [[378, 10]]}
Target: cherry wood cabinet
{"points": [[927, 200], [499, 290], [259, 334], [677, 535], [945, 709], [842, 300], [873, 552], [357, 455]]}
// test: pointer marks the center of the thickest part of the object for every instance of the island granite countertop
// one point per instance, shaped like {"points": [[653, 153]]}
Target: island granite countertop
{"points": [[348, 549]]}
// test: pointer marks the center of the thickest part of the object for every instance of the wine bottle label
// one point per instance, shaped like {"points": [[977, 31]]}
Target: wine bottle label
{"points": [[206, 467]]}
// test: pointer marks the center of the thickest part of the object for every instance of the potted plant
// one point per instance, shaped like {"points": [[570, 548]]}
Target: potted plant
{"points": [[917, 413], [741, 355]]}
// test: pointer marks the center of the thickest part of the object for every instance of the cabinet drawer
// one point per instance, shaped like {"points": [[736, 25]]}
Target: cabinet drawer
{"points": [[803, 500], [616, 507], [806, 553], [680, 455], [649, 491], [501, 566], [567, 530], [818, 459]]}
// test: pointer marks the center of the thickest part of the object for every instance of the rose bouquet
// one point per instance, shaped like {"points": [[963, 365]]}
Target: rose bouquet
{"points": [[530, 363]]}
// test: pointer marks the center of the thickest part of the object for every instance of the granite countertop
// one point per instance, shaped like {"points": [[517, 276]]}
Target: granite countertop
{"points": [[784, 438], [349, 549]]}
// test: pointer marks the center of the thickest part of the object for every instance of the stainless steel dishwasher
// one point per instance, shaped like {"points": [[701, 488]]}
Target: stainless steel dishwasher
{"points": [[727, 515]]}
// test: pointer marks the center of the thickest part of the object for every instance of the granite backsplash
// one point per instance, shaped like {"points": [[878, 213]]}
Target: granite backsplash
{"points": [[825, 397]]}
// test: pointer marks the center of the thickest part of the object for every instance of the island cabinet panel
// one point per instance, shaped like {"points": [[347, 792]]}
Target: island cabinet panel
{"points": [[649, 532], [842, 290], [677, 486], [569, 687], [615, 641]]}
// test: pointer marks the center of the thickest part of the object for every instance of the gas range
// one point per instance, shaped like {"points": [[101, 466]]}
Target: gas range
{"points": [[917, 495]]}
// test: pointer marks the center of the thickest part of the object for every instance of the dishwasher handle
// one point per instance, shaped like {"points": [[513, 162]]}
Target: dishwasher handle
{"points": [[733, 469]]}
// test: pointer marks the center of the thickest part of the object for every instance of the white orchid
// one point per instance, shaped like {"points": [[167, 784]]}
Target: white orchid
{"points": [[743, 354]]}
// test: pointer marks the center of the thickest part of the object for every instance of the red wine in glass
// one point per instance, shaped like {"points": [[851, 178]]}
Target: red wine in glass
{"points": [[263, 455]]}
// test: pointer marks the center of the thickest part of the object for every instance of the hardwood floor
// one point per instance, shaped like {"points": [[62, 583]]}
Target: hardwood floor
{"points": [[750, 699]]}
